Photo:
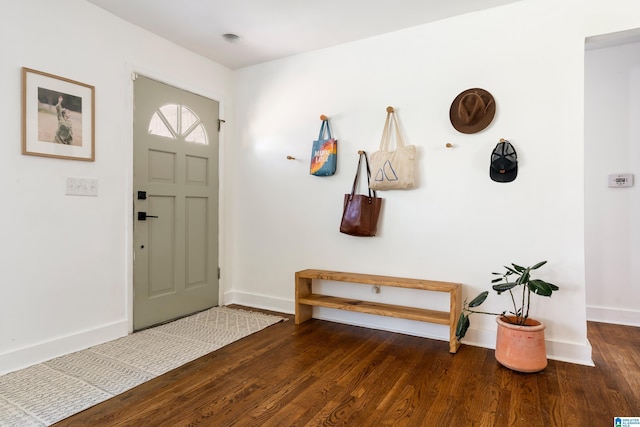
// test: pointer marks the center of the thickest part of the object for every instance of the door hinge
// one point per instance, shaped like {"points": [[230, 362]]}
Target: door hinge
{"points": [[218, 273], [219, 123]]}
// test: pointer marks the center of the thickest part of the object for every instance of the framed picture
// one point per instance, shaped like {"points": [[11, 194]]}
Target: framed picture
{"points": [[58, 116]]}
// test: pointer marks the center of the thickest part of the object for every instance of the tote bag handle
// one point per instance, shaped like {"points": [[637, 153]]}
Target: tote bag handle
{"points": [[390, 122], [355, 180], [324, 128]]}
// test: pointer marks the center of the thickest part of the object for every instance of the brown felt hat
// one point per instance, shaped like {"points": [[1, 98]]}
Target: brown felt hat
{"points": [[472, 110]]}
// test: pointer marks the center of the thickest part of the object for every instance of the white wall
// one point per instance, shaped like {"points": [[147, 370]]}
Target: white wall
{"points": [[66, 261], [612, 145], [458, 225]]}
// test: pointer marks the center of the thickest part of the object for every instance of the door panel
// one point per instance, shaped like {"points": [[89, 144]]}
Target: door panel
{"points": [[196, 242], [162, 167], [161, 246], [176, 164]]}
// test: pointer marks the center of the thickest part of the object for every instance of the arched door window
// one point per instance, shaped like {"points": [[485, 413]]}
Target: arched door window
{"points": [[177, 121]]}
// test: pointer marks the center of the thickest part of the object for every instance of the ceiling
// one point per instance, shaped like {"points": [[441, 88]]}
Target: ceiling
{"points": [[273, 29]]}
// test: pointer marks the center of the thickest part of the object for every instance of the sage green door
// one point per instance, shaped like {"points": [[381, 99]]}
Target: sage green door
{"points": [[175, 183]]}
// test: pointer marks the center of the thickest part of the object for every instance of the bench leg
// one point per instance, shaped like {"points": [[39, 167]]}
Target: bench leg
{"points": [[303, 289], [454, 313]]}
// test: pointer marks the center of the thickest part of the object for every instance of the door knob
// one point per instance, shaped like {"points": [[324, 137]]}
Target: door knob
{"points": [[142, 216]]}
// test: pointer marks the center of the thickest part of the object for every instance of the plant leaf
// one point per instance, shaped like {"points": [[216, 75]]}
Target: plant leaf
{"points": [[511, 270], [538, 265], [479, 299], [463, 325], [524, 278], [501, 287], [518, 268], [496, 280], [540, 287]]}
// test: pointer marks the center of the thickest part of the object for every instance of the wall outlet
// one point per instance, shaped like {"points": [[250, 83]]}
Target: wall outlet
{"points": [[621, 180], [81, 186]]}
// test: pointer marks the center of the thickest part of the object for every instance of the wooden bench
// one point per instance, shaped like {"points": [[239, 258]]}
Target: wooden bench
{"points": [[306, 299]]}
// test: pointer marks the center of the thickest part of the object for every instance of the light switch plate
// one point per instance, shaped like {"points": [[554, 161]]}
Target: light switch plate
{"points": [[81, 186], [621, 180]]}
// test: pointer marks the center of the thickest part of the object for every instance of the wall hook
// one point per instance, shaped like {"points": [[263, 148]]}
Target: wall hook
{"points": [[323, 117], [449, 145], [390, 109], [290, 158]]}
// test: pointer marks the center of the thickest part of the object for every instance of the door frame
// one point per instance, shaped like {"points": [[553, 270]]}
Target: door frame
{"points": [[129, 207]]}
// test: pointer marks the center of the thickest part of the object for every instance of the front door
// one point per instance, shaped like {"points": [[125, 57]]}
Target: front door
{"points": [[175, 183]]}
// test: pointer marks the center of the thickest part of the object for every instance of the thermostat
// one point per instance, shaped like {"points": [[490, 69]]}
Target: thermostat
{"points": [[621, 180]]}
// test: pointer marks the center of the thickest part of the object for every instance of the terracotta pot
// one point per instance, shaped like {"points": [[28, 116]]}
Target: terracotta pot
{"points": [[521, 347]]}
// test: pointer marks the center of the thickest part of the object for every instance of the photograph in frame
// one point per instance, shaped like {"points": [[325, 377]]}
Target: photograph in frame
{"points": [[57, 117]]}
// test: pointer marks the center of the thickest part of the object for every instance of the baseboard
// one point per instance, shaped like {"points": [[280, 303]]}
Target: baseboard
{"points": [[263, 302], [403, 326], [32, 355], [613, 315], [570, 352], [561, 351], [383, 323]]}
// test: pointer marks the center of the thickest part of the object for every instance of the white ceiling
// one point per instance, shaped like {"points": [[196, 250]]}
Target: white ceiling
{"points": [[273, 29]]}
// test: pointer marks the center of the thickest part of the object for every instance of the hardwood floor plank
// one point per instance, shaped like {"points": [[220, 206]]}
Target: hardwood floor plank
{"points": [[305, 405], [525, 404], [549, 396], [327, 374]]}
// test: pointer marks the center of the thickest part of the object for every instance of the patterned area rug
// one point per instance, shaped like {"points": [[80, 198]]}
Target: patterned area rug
{"points": [[43, 394]]}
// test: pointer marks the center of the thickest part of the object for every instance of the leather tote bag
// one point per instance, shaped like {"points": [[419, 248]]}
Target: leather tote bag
{"points": [[360, 212], [393, 169]]}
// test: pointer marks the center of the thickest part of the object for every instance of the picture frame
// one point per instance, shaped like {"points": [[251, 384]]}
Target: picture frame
{"points": [[58, 117]]}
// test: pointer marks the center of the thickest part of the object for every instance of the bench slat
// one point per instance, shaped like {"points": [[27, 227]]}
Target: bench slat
{"points": [[373, 279], [403, 312]]}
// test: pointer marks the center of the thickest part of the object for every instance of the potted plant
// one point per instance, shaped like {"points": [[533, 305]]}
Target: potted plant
{"points": [[520, 343]]}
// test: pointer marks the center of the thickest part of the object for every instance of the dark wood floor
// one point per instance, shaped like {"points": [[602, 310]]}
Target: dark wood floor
{"points": [[327, 374]]}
